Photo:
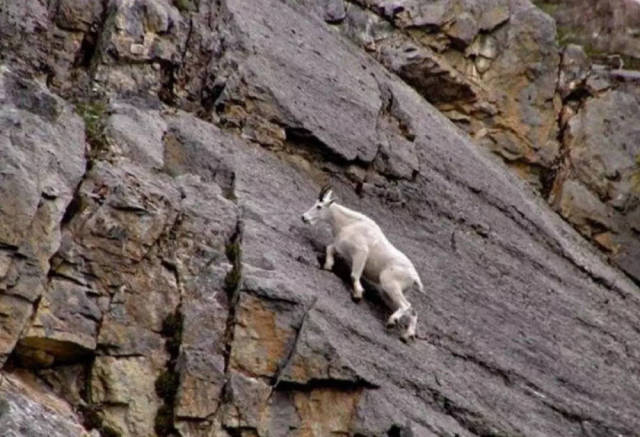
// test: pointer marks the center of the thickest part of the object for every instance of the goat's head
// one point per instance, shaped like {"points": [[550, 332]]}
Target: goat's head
{"points": [[320, 210]]}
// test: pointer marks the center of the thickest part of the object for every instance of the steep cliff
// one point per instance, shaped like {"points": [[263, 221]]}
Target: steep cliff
{"points": [[156, 278]]}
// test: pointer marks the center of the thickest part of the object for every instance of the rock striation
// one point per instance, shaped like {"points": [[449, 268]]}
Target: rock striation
{"points": [[156, 278]]}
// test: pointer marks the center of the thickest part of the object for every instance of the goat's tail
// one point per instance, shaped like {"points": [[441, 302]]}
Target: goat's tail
{"points": [[419, 285]]}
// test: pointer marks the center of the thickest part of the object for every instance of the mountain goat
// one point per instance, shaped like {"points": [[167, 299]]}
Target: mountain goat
{"points": [[360, 240]]}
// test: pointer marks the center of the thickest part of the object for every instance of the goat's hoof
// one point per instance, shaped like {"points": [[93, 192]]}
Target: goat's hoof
{"points": [[328, 267], [355, 298], [391, 323], [408, 338]]}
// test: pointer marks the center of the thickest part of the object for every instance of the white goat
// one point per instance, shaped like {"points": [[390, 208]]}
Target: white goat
{"points": [[360, 240]]}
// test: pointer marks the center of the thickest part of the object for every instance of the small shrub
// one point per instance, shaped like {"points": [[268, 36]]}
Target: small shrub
{"points": [[635, 177], [234, 254], [94, 115], [186, 5], [107, 431]]}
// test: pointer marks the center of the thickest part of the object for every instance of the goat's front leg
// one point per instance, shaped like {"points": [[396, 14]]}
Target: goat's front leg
{"points": [[410, 331], [328, 261], [359, 259]]}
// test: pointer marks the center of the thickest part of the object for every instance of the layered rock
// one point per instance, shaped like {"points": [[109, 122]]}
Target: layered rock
{"points": [[490, 66], [43, 160], [28, 407], [177, 291], [596, 188]]}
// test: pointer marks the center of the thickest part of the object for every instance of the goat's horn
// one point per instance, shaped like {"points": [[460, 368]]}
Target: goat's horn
{"points": [[324, 191]]}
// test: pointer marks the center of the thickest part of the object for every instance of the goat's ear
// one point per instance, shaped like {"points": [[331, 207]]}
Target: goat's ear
{"points": [[325, 193], [328, 197]]}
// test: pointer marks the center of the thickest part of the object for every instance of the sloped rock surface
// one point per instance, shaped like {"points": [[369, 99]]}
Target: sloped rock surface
{"points": [[182, 295], [27, 407]]}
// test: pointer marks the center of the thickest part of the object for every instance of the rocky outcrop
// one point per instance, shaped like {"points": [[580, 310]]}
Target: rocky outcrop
{"points": [[604, 27], [43, 161], [596, 186], [29, 407], [158, 278], [490, 66]]}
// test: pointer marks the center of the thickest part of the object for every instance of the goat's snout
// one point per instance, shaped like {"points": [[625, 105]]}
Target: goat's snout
{"points": [[304, 219]]}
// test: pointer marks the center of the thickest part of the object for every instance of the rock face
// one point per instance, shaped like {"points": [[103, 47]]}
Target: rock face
{"points": [[597, 186], [604, 26], [156, 278], [490, 66]]}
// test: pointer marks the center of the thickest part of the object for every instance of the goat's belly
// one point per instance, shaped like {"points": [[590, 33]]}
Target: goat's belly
{"points": [[372, 270]]}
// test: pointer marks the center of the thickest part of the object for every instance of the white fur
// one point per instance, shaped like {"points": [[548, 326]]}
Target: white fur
{"points": [[359, 240]]}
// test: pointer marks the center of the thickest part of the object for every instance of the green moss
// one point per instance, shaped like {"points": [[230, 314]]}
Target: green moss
{"points": [[186, 5], [234, 255], [4, 407], [232, 280], [631, 63], [567, 35], [108, 431], [548, 7], [635, 177], [233, 252], [94, 115]]}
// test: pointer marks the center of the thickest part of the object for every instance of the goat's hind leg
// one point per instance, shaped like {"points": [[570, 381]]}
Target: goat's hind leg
{"points": [[393, 288], [404, 306]]}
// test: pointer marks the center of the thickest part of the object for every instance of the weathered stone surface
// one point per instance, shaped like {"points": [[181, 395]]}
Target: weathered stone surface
{"points": [[65, 325], [523, 80], [137, 134], [185, 274], [36, 185], [126, 387], [145, 34], [574, 68], [597, 191], [84, 15], [28, 408], [32, 42], [490, 66], [294, 94]]}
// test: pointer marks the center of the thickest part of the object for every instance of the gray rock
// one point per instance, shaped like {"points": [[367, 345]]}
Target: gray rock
{"points": [[36, 187], [335, 11], [464, 29], [524, 329], [136, 134], [299, 101], [574, 69], [83, 16], [29, 409], [602, 140]]}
